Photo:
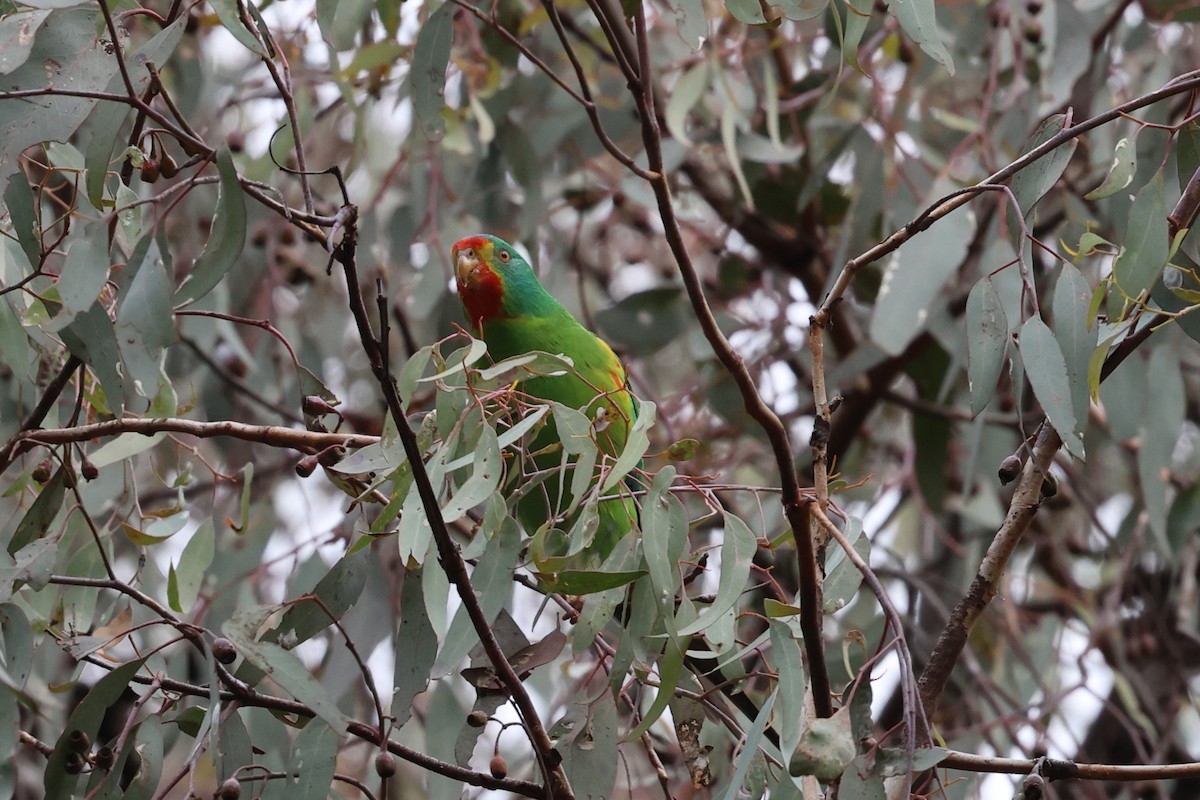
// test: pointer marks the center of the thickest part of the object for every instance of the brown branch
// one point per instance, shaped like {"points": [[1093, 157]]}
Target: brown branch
{"points": [[794, 506], [449, 556], [49, 397], [1057, 769], [361, 730], [1184, 213], [273, 435], [1025, 502]]}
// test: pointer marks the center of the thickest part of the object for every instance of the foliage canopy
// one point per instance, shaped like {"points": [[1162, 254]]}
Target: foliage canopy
{"points": [[906, 292]]}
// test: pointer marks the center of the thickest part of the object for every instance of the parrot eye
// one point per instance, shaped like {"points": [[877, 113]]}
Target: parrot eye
{"points": [[504, 256]]}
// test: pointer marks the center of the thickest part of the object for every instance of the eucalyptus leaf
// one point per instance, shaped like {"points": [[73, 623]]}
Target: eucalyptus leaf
{"points": [[1146, 245], [987, 342], [225, 240], [430, 56], [919, 21], [1047, 371]]}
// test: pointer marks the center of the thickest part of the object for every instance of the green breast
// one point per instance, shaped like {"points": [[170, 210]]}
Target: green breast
{"points": [[597, 381]]}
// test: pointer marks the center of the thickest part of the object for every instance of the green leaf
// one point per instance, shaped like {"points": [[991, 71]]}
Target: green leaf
{"points": [[372, 57], [737, 554], [416, 648], [893, 761], [485, 477], [145, 323], [234, 748], [83, 275], [444, 720], [636, 445], [227, 12], [32, 565], [1146, 244], [806, 9], [919, 21], [730, 117], [225, 240], [584, 582], [1124, 397], [1075, 334], [18, 200], [687, 92], [195, 560], [914, 277], [338, 590], [747, 11], [92, 339], [148, 744], [17, 37], [524, 366], [645, 322], [16, 349], [987, 342], [431, 54], [104, 124], [1160, 433], [749, 748], [588, 744], [1047, 371], [282, 665], [37, 519], [122, 447], [1183, 519], [1120, 174], [16, 637], [10, 726], [858, 15], [410, 374], [690, 21], [247, 496], [458, 361], [1031, 184], [579, 446], [792, 682], [773, 608], [670, 669], [1187, 159], [341, 21], [842, 576], [491, 580], [313, 756], [661, 541], [65, 52]]}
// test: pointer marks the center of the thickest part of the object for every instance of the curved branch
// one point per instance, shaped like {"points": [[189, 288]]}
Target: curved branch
{"points": [[273, 435]]}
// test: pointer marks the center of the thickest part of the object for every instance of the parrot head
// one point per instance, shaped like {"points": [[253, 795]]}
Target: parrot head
{"points": [[494, 281]]}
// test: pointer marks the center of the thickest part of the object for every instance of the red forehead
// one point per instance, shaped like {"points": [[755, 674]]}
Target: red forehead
{"points": [[476, 243]]}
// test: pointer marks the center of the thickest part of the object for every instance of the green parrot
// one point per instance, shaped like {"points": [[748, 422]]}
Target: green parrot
{"points": [[510, 310]]}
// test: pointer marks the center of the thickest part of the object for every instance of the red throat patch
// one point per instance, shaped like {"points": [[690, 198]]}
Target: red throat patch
{"points": [[479, 287]]}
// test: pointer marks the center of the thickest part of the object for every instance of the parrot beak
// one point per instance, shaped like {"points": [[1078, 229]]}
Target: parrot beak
{"points": [[466, 265]]}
